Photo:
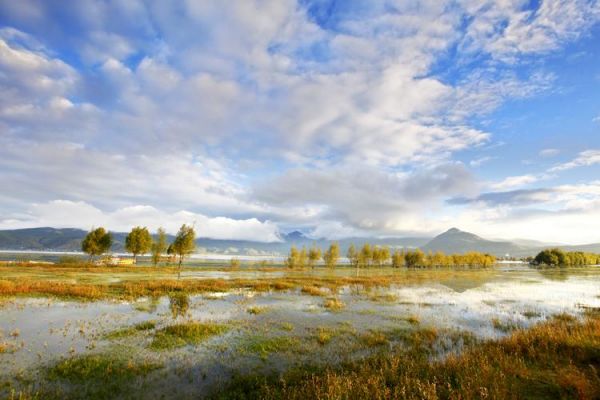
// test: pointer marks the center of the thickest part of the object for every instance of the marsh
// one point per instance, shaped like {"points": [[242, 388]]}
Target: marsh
{"points": [[216, 326]]}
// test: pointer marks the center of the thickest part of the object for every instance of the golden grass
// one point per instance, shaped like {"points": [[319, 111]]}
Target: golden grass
{"points": [[334, 304], [90, 283]]}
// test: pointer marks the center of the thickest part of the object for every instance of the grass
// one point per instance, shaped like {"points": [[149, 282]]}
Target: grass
{"points": [[504, 326], [334, 304], [312, 290], [263, 346], [131, 330], [255, 310], [529, 314], [97, 376], [373, 338], [324, 335], [184, 334], [559, 358], [90, 283]]}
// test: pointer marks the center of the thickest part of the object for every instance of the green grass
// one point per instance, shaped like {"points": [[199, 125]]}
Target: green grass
{"points": [[504, 326], [97, 376], [184, 334], [529, 314], [263, 346], [131, 330]]}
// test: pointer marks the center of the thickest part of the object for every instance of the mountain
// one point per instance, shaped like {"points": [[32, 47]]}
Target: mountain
{"points": [[456, 241]]}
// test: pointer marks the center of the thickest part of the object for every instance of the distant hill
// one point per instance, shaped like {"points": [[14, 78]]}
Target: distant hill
{"points": [[452, 241], [456, 241]]}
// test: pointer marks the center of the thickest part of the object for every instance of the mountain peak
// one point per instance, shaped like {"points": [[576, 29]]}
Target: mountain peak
{"points": [[295, 235], [453, 230]]}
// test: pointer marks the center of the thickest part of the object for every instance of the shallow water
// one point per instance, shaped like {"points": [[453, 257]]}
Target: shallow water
{"points": [[41, 331]]}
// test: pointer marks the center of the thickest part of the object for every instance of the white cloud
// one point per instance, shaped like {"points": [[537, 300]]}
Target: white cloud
{"points": [[70, 214], [546, 153], [478, 162], [584, 159], [512, 182]]}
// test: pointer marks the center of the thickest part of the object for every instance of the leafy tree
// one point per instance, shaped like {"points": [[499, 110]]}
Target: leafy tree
{"points": [[380, 255], [414, 258], [366, 255], [96, 242], [171, 253], [302, 257], [332, 255], [185, 242], [138, 241], [353, 256], [398, 259], [159, 246], [293, 258], [314, 255]]}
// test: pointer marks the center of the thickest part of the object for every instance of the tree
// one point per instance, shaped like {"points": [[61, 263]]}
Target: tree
{"points": [[171, 253], [96, 242], [159, 246], [398, 259], [365, 256], [414, 258], [352, 256], [185, 242], [293, 258], [138, 241], [332, 255], [314, 255]]}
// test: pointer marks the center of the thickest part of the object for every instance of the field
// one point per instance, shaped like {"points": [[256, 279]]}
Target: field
{"points": [[268, 332]]}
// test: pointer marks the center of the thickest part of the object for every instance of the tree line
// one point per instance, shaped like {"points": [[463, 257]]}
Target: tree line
{"points": [[139, 241], [557, 257], [378, 256]]}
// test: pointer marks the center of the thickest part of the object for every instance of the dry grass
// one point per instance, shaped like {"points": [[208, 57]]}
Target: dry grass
{"points": [[334, 304], [90, 283]]}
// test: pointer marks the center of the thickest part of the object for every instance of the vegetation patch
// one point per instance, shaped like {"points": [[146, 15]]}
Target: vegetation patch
{"points": [[529, 314], [373, 338], [264, 346], [505, 326], [98, 376], [189, 333], [255, 310], [313, 290], [131, 330], [334, 304]]}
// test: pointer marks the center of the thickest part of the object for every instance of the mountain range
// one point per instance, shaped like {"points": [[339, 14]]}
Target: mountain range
{"points": [[452, 241]]}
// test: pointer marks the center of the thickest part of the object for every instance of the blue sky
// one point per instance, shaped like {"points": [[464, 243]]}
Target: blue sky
{"points": [[338, 118]]}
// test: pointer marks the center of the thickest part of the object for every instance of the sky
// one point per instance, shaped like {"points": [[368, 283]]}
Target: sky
{"points": [[252, 118]]}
